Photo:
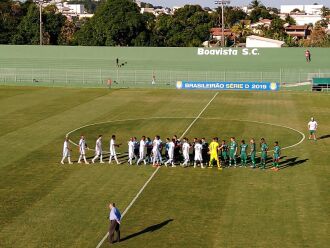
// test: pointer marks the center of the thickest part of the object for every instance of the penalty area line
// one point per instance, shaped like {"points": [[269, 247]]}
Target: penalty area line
{"points": [[155, 172]]}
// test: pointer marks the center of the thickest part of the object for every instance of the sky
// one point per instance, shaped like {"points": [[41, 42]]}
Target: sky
{"points": [[210, 3]]}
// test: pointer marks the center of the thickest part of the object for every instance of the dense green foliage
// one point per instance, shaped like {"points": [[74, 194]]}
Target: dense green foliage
{"points": [[120, 23]]}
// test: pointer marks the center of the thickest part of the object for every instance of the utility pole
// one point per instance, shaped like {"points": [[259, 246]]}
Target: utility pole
{"points": [[40, 22], [222, 3]]}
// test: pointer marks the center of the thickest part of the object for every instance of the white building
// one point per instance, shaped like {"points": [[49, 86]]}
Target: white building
{"points": [[75, 8], [306, 19], [147, 10], [257, 41], [308, 9]]}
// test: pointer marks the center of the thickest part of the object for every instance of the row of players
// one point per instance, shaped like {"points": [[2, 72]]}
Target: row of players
{"points": [[177, 151]]}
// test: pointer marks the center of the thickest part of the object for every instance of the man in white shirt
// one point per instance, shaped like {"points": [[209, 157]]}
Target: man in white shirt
{"points": [[312, 126], [131, 146], [113, 145], [66, 151], [185, 152], [142, 151], [98, 150], [156, 146], [198, 154], [82, 149], [170, 153]]}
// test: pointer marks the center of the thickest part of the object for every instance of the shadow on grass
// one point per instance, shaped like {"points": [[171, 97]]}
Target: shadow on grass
{"points": [[292, 162], [152, 228], [324, 137]]}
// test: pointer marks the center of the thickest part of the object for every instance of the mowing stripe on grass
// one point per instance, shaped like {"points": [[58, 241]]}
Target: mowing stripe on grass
{"points": [[155, 172]]}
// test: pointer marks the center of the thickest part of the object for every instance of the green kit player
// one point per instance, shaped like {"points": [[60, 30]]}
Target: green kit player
{"points": [[253, 152], [276, 156], [232, 151], [264, 149], [224, 151], [244, 148]]}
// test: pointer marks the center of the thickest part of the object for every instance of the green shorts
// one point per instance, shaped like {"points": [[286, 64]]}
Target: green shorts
{"points": [[311, 131], [276, 156], [264, 155], [243, 156], [232, 154]]}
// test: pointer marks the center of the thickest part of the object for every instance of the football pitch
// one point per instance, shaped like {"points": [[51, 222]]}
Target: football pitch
{"points": [[45, 204]]}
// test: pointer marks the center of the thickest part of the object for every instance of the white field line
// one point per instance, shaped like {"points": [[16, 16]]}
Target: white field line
{"points": [[155, 172]]}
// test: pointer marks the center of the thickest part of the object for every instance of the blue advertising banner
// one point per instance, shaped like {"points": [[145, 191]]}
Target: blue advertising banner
{"points": [[260, 86]]}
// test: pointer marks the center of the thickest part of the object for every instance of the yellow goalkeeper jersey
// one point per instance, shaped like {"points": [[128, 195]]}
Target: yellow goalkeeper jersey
{"points": [[214, 147]]}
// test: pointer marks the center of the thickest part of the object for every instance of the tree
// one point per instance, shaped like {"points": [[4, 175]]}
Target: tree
{"points": [[189, 26], [11, 14], [66, 36], [290, 20], [325, 11], [276, 30], [232, 15], [258, 13], [28, 31], [115, 23], [296, 10], [255, 4], [146, 5], [318, 38], [53, 23], [241, 31]]}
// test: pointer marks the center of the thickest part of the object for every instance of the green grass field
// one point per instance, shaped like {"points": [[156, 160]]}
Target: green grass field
{"points": [[44, 204]]}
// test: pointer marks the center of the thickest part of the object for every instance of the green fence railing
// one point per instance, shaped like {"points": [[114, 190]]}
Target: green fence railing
{"points": [[289, 79]]}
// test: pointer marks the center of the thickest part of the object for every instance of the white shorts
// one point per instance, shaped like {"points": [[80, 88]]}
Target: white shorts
{"points": [[131, 154], [66, 153], [171, 155], [142, 154], [186, 156], [198, 156], [98, 153], [82, 151], [156, 153]]}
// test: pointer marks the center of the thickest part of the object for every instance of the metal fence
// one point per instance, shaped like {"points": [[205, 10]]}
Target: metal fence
{"points": [[123, 78]]}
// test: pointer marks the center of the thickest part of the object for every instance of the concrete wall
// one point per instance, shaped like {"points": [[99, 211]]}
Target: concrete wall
{"points": [[95, 65]]}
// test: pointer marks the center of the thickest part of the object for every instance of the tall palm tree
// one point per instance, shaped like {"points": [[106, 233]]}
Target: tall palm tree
{"points": [[325, 11], [255, 4]]}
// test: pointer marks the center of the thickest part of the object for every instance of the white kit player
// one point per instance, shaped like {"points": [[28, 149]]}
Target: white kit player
{"points": [[312, 126], [131, 145], [198, 154], [66, 151], [82, 149], [185, 151], [156, 156], [98, 150], [142, 151], [170, 152], [113, 145]]}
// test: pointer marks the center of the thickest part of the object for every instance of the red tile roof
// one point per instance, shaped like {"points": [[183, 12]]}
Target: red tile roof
{"points": [[218, 32], [295, 27]]}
